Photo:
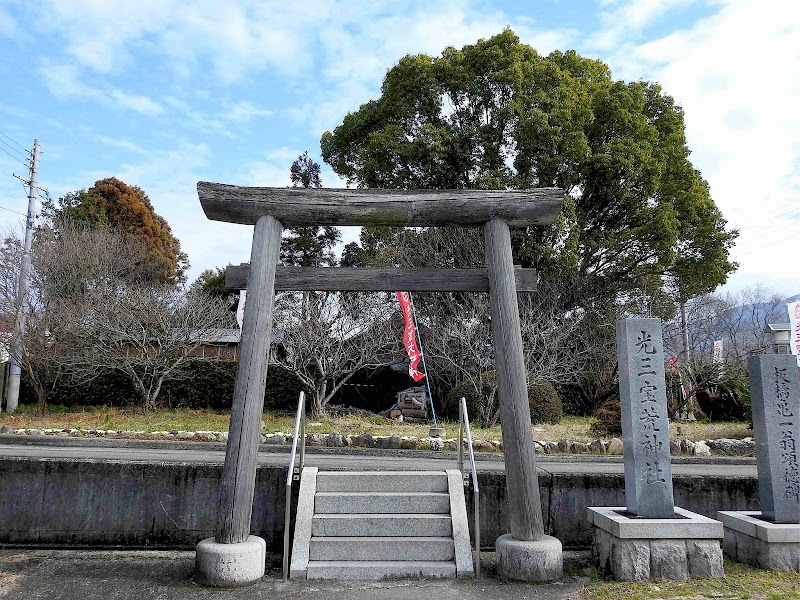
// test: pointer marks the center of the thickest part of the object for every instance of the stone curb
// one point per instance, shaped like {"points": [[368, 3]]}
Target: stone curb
{"points": [[353, 451]]}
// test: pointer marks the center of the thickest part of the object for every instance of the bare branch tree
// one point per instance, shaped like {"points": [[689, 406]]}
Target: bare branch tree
{"points": [[90, 311], [457, 327], [325, 338], [739, 320], [65, 265], [147, 332]]}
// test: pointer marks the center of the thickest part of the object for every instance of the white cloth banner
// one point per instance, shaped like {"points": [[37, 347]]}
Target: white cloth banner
{"points": [[717, 358], [794, 329], [240, 308]]}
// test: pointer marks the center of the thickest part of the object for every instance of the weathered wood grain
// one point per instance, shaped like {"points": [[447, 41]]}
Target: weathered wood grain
{"points": [[525, 509], [235, 506], [378, 279], [295, 207]]}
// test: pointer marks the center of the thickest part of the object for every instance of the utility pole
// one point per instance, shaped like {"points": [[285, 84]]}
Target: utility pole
{"points": [[685, 331], [687, 353], [15, 369]]}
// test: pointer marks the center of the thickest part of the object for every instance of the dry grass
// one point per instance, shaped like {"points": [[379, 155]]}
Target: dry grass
{"points": [[87, 418], [740, 582]]}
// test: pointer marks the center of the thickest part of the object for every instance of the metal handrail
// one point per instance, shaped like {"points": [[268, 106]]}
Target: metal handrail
{"points": [[294, 475], [463, 423]]}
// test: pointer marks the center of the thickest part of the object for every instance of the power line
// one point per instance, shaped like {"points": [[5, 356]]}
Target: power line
{"points": [[13, 211], [787, 238], [13, 149], [19, 160], [16, 143], [785, 216]]}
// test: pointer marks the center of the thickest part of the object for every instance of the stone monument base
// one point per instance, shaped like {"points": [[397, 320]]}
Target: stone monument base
{"points": [[754, 541], [522, 560], [628, 548], [230, 565]]}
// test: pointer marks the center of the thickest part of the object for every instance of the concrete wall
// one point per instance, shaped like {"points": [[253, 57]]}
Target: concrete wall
{"points": [[566, 496], [92, 503]]}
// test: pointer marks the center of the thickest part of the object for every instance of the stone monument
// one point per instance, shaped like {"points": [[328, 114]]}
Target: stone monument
{"points": [[770, 538], [649, 537]]}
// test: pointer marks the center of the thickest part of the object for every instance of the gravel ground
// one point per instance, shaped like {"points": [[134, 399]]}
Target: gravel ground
{"points": [[156, 575]]}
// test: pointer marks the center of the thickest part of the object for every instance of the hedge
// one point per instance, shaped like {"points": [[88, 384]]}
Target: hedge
{"points": [[208, 384]]}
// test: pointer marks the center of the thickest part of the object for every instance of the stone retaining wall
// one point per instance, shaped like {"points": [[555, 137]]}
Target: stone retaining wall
{"points": [[64, 502]]}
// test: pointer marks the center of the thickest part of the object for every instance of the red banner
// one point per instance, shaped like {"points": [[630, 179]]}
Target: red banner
{"points": [[410, 336]]}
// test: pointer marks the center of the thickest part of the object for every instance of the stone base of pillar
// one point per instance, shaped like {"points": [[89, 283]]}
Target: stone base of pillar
{"points": [[522, 560], [754, 541], [628, 548], [230, 565]]}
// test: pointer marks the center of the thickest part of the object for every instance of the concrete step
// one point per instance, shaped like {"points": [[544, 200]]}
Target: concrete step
{"points": [[382, 548], [386, 525], [381, 502], [382, 481], [377, 570]]}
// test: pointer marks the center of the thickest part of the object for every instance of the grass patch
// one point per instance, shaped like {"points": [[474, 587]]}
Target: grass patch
{"points": [[740, 582], [165, 419], [132, 419]]}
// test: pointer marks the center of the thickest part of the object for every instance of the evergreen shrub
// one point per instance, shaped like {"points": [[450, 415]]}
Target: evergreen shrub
{"points": [[609, 418], [545, 403]]}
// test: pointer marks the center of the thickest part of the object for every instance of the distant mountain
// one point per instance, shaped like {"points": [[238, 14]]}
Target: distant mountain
{"points": [[793, 298]]}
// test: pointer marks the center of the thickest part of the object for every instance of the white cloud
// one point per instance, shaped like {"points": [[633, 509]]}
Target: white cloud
{"points": [[358, 40], [233, 38], [195, 119], [624, 21], [140, 104], [102, 34], [65, 81], [121, 144], [8, 26], [737, 76], [244, 111]]}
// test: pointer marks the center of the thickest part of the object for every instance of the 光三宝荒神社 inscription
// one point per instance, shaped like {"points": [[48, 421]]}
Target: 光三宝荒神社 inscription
{"points": [[775, 390], [645, 425]]}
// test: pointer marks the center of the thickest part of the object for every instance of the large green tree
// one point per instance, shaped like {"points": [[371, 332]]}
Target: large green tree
{"points": [[497, 115], [126, 209]]}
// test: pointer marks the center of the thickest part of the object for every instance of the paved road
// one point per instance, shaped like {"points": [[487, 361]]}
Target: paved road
{"points": [[371, 462]]}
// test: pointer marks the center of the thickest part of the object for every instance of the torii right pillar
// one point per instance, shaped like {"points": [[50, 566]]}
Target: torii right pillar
{"points": [[526, 554]]}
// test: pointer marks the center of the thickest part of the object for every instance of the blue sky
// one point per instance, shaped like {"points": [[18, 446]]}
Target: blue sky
{"points": [[163, 93]]}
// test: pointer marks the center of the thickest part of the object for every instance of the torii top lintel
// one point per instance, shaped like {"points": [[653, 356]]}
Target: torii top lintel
{"points": [[298, 207]]}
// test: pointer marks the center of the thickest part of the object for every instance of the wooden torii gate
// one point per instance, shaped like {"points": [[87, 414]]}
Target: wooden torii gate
{"points": [[272, 209]]}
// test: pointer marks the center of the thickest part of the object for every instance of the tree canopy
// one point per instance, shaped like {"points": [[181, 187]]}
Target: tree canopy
{"points": [[497, 115], [127, 209]]}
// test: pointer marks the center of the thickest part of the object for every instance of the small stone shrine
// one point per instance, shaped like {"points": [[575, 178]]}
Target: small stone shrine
{"points": [[649, 537], [770, 538]]}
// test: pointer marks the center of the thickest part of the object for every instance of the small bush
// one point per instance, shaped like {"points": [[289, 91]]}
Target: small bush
{"points": [[609, 418], [729, 400], [479, 406], [545, 403]]}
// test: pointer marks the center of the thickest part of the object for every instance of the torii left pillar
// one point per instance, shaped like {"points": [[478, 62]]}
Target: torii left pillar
{"points": [[233, 557]]}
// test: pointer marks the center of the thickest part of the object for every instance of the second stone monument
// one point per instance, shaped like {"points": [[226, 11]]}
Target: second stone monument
{"points": [[770, 538]]}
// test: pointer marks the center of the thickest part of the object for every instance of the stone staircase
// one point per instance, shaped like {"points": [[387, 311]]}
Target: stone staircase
{"points": [[370, 525]]}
